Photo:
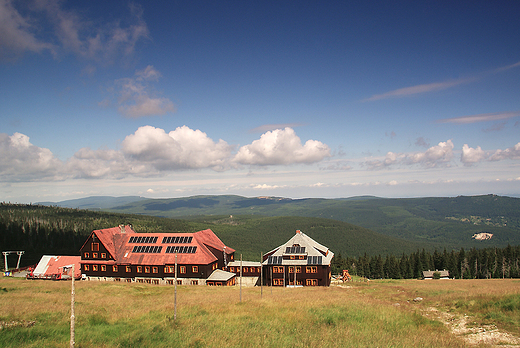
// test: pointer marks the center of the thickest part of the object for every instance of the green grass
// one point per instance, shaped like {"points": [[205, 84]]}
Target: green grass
{"points": [[136, 315]]}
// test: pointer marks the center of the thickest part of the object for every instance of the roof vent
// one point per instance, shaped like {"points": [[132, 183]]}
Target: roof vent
{"points": [[122, 227]]}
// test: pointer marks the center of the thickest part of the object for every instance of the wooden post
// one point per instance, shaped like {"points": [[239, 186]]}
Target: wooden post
{"points": [[175, 292], [72, 314], [240, 277], [261, 276]]}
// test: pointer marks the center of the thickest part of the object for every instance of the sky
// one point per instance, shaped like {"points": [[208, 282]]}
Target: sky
{"points": [[258, 98]]}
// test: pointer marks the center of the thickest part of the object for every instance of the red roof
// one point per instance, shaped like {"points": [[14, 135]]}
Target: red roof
{"points": [[51, 265], [117, 244]]}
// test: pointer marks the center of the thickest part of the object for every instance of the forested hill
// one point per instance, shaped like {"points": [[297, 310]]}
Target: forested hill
{"points": [[40, 230], [444, 221]]}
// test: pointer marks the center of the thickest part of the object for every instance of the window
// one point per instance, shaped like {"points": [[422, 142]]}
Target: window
{"points": [[103, 268], [301, 257], [183, 269], [94, 268], [244, 269], [85, 267], [258, 269], [277, 269], [94, 255], [114, 269], [147, 269], [128, 269], [95, 247], [86, 255], [292, 257], [155, 270], [311, 282], [277, 281], [232, 269], [195, 269], [169, 269], [312, 269], [291, 269], [139, 269], [194, 282], [155, 281], [298, 269], [103, 255]]}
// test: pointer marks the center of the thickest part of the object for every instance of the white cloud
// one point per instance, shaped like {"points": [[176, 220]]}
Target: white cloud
{"points": [[440, 154], [470, 155], [135, 97], [105, 163], [182, 148], [22, 161], [509, 153], [281, 146]]}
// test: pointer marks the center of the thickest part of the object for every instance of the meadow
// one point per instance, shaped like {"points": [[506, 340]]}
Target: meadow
{"points": [[355, 314]]}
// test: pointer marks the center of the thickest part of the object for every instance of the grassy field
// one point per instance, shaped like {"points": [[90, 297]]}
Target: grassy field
{"points": [[359, 314]]}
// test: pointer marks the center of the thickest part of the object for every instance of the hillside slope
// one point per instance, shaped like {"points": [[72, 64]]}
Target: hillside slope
{"points": [[448, 222]]}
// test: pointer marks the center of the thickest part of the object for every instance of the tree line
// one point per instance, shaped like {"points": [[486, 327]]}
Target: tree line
{"points": [[42, 230], [472, 264]]}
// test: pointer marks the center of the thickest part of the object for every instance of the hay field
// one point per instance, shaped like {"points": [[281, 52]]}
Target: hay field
{"points": [[375, 314]]}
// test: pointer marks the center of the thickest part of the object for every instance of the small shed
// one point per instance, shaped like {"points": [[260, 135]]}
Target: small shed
{"points": [[56, 268], [444, 274], [221, 278]]}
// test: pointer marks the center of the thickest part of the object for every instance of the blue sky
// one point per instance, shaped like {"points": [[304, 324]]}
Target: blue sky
{"points": [[293, 99]]}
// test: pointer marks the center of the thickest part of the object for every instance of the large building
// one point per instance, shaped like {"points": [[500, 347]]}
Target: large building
{"points": [[301, 261], [121, 254]]}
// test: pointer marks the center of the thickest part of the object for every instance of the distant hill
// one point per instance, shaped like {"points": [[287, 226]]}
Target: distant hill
{"points": [[441, 221], [95, 202]]}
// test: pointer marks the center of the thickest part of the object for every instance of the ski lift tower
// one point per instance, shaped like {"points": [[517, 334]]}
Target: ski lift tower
{"points": [[19, 253]]}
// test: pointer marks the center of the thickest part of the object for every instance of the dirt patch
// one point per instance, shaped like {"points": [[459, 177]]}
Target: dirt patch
{"points": [[466, 327]]}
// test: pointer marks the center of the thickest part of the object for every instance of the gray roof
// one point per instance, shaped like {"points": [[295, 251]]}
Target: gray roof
{"points": [[300, 244], [219, 275], [244, 264]]}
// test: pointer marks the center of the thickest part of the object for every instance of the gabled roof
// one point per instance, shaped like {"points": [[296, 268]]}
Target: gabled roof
{"points": [[128, 247], [300, 244]]}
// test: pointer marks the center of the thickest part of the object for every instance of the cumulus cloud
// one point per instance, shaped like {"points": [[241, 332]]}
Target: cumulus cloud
{"points": [[470, 155], [104, 163], [182, 148], [67, 31], [440, 154], [136, 98], [270, 127], [281, 146], [21, 161], [512, 153]]}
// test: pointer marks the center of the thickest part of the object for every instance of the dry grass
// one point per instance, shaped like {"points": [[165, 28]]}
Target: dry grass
{"points": [[140, 315]]}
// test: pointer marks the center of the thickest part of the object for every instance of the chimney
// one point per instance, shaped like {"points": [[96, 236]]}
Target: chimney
{"points": [[298, 231], [122, 227]]}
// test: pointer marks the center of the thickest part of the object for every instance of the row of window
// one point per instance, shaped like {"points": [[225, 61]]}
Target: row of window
{"points": [[94, 255], [308, 269], [245, 269], [139, 269], [308, 282]]}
